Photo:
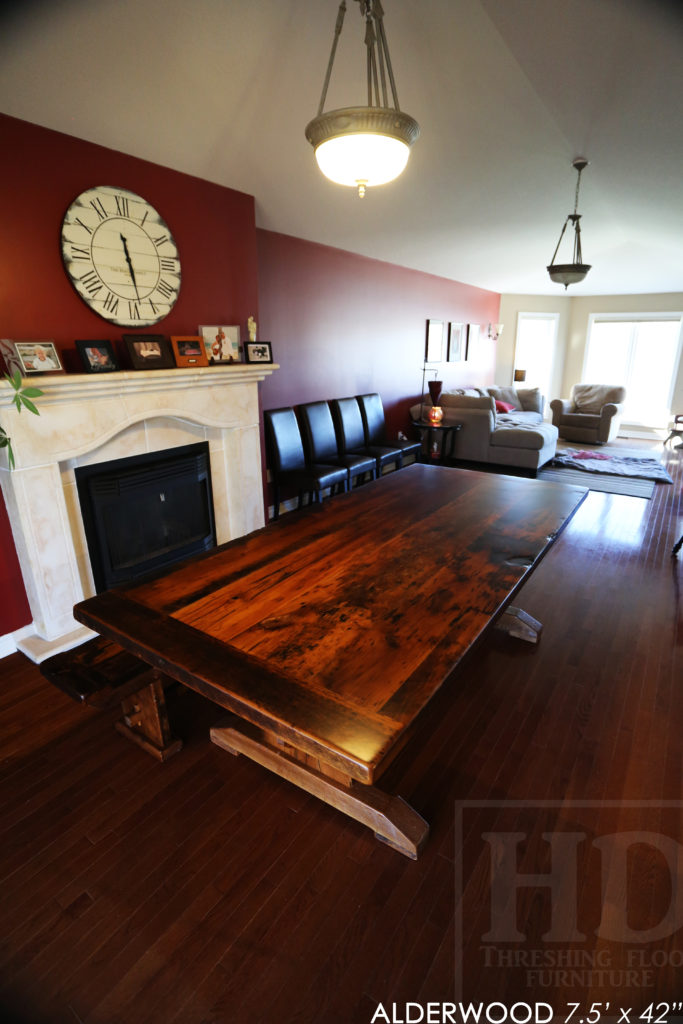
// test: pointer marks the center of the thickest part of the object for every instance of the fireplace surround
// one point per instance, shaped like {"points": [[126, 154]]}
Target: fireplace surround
{"points": [[85, 419]]}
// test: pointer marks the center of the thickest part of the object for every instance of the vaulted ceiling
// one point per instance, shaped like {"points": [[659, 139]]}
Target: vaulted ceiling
{"points": [[506, 92]]}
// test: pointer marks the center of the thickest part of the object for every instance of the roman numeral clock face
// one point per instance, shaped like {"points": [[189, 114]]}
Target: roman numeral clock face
{"points": [[120, 256]]}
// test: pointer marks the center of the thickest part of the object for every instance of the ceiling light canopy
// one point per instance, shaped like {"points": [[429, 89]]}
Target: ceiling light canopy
{"points": [[571, 273], [364, 146]]}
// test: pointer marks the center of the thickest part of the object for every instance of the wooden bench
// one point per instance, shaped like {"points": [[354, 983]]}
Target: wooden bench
{"points": [[101, 674]]}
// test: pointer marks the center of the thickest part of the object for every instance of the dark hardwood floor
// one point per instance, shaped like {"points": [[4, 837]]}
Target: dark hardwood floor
{"points": [[206, 890]]}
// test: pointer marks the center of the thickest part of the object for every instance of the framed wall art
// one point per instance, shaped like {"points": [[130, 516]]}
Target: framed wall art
{"points": [[97, 356], [149, 351], [38, 357], [472, 337], [258, 352], [222, 344], [457, 343], [189, 350], [434, 342]]}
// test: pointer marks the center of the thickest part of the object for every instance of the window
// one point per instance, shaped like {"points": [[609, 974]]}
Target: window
{"points": [[535, 349], [642, 355]]}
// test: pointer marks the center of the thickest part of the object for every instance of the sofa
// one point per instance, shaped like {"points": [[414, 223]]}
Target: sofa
{"points": [[592, 415], [499, 425]]}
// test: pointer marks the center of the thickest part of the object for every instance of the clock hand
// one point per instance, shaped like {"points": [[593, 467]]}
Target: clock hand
{"points": [[130, 265]]}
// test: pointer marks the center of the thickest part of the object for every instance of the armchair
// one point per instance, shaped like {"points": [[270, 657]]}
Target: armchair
{"points": [[592, 415]]}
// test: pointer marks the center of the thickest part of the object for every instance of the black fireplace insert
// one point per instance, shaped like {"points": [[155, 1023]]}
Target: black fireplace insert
{"points": [[146, 512]]}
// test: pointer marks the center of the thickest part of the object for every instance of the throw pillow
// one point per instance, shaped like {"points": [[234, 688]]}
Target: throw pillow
{"points": [[503, 406], [506, 394], [531, 399]]}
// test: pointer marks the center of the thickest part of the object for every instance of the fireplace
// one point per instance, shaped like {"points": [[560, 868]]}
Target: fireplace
{"points": [[90, 419], [145, 512]]}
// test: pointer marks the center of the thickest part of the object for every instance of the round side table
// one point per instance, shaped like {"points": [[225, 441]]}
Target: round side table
{"points": [[437, 438]]}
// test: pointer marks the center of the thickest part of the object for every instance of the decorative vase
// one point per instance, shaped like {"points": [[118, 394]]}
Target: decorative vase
{"points": [[435, 414], [435, 388]]}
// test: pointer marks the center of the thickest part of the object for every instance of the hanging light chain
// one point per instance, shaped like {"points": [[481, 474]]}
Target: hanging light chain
{"points": [[337, 32], [578, 186], [378, 59]]}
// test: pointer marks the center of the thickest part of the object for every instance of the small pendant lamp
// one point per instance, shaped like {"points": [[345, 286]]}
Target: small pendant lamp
{"points": [[571, 273]]}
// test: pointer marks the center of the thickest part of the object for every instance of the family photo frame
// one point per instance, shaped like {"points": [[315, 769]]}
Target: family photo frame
{"points": [[258, 352], [188, 350], [97, 356], [149, 351], [37, 357], [221, 344]]}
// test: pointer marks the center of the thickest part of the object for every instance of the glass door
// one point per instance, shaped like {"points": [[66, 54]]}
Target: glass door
{"points": [[641, 355]]}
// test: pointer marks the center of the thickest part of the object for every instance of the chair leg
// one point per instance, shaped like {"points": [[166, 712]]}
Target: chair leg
{"points": [[276, 501]]}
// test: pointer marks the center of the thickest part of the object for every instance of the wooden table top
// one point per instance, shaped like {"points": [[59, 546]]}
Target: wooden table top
{"points": [[333, 627]]}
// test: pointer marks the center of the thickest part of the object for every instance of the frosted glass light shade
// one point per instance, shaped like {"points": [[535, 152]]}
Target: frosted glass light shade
{"points": [[366, 159], [362, 146]]}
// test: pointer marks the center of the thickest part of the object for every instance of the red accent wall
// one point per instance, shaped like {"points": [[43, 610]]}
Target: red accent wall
{"points": [[343, 324], [14, 609]]}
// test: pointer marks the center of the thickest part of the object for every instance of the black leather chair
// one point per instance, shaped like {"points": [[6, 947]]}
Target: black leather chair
{"points": [[372, 413], [351, 434], [320, 443], [287, 461]]}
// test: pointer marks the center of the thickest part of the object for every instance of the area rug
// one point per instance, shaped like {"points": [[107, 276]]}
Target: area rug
{"points": [[617, 473], [633, 487]]}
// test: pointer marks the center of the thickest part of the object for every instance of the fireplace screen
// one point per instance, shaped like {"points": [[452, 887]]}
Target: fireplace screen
{"points": [[146, 512]]}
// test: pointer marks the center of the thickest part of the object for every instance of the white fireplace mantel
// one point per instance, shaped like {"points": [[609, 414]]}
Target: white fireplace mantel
{"points": [[86, 419]]}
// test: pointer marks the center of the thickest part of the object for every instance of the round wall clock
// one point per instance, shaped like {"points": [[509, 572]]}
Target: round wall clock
{"points": [[120, 256]]}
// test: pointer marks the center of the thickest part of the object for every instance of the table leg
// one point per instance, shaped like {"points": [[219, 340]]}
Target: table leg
{"points": [[516, 622], [391, 819], [145, 720]]}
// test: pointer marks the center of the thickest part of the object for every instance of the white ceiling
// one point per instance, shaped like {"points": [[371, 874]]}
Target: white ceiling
{"points": [[506, 92]]}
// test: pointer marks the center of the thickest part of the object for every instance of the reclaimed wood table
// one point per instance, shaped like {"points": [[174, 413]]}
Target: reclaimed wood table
{"points": [[326, 633]]}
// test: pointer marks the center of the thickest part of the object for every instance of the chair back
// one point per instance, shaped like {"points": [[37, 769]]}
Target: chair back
{"points": [[591, 397], [283, 440], [372, 412], [348, 423], [317, 429]]}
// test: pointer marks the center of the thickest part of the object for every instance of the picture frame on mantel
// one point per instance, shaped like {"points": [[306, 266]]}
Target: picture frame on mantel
{"points": [[434, 341], [97, 356], [38, 357], [222, 344], [258, 352], [149, 351], [457, 343], [189, 350]]}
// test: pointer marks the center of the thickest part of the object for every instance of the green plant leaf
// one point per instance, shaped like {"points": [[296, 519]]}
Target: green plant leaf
{"points": [[6, 443], [28, 403], [32, 392]]}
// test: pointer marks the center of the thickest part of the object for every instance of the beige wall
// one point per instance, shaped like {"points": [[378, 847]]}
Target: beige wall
{"points": [[575, 312]]}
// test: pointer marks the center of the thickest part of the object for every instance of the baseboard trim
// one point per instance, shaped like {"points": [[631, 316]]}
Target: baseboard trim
{"points": [[9, 642]]}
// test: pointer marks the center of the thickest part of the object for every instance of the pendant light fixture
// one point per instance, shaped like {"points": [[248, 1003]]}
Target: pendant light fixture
{"points": [[571, 273], [364, 146]]}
